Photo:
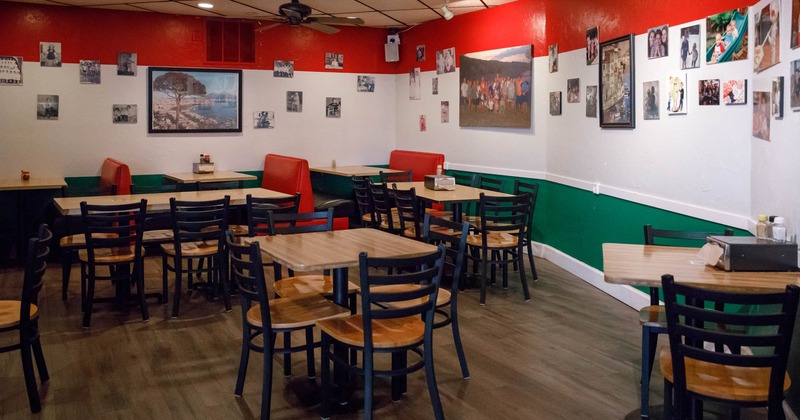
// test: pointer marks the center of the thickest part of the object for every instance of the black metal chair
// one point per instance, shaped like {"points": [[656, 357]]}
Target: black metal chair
{"points": [[389, 177], [754, 378], [258, 211], [385, 211], [22, 317], [366, 208], [532, 189], [408, 212]]}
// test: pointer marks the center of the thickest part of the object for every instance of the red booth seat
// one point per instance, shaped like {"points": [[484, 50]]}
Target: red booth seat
{"points": [[421, 163], [115, 177]]}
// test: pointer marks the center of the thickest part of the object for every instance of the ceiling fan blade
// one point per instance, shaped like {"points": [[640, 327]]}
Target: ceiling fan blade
{"points": [[340, 21], [267, 27], [320, 27]]}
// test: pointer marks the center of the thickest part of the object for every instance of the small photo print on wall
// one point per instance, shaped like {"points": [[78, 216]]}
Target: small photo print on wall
{"points": [[124, 114], [294, 101], [283, 68], [555, 103], [734, 92], [446, 60], [592, 46], [552, 58], [365, 84], [46, 107], [422, 125], [10, 70], [591, 101], [676, 95], [794, 85], [126, 64], [90, 72], [334, 61], [573, 91], [333, 107], [264, 119], [420, 53], [767, 51], [690, 47], [777, 97], [726, 36], [761, 105], [435, 86], [414, 84], [445, 105], [50, 54], [708, 91], [651, 100], [795, 30], [657, 42]]}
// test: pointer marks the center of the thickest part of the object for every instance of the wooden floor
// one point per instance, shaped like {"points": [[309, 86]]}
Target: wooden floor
{"points": [[570, 353]]}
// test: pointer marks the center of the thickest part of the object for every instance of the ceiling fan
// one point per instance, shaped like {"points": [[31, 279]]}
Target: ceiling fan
{"points": [[298, 14]]}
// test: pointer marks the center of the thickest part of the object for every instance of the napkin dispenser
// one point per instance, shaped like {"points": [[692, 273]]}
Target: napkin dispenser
{"points": [[203, 168], [748, 253], [440, 182]]}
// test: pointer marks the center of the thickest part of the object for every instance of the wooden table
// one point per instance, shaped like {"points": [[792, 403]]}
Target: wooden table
{"points": [[349, 171], [216, 176], [160, 201], [460, 194], [22, 228]]}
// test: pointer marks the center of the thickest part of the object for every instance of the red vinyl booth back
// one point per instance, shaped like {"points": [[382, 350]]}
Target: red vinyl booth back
{"points": [[421, 163], [115, 173]]}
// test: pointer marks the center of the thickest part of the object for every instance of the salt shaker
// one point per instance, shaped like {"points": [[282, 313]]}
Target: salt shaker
{"points": [[779, 230]]}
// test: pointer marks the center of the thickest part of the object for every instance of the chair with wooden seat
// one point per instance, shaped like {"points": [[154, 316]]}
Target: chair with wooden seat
{"points": [[408, 212], [381, 329], [258, 210], [385, 211], [484, 183], [532, 189], [263, 319], [753, 378], [653, 318], [366, 209], [502, 221], [402, 176], [198, 235], [113, 235], [22, 317]]}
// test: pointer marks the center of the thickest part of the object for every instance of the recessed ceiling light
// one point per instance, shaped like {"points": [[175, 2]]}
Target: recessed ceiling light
{"points": [[205, 5]]}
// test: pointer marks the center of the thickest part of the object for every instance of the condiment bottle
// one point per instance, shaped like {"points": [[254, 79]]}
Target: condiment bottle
{"points": [[770, 222], [761, 227], [438, 170], [779, 230]]}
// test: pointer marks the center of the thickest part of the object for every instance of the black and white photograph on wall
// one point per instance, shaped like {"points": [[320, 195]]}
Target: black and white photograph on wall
{"points": [[333, 107], [676, 95], [592, 45], [761, 111], [552, 58], [795, 30], [334, 61], [767, 51], [617, 82], [591, 101], [46, 107], [124, 113], [365, 84], [657, 42], [555, 103], [651, 100], [420, 53], [734, 92], [777, 98], [414, 84], [446, 60], [573, 91], [423, 126], [794, 85], [708, 91], [690, 47], [726, 36], [283, 68], [445, 105], [10, 70], [126, 64], [435, 86], [90, 72], [264, 119], [294, 101], [50, 54]]}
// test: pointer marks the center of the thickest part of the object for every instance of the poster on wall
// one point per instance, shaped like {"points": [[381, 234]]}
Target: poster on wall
{"points": [[573, 91], [795, 30], [777, 97], [617, 78], [10, 70], [414, 84], [726, 36], [283, 68], [333, 107], [294, 101], [591, 101], [761, 105], [264, 119], [496, 88], [690, 47], [89, 72], [592, 45], [734, 92], [794, 85], [50, 54], [446, 60], [334, 61], [552, 58], [555, 103], [46, 107], [708, 91], [651, 100], [420, 52], [365, 84], [445, 110], [767, 51], [658, 42], [676, 95], [193, 100], [126, 64], [124, 113]]}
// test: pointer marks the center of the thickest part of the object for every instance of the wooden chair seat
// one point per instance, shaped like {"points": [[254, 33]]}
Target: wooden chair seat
{"points": [[78, 241], [387, 333], [494, 240], [297, 311], [157, 236], [109, 255], [653, 315], [442, 299], [10, 312], [723, 381], [192, 249], [445, 214], [303, 285], [239, 230], [395, 224]]}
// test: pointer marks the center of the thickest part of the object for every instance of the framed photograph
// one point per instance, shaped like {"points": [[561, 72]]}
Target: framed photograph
{"points": [[767, 51], [365, 84], [333, 107], [423, 126], [761, 105], [435, 86], [573, 91], [414, 84], [657, 45], [690, 47], [726, 36], [509, 73], [10, 70], [334, 61], [676, 95], [552, 58], [555, 103], [777, 97], [283, 68], [651, 100], [294, 101], [445, 106], [617, 89], [591, 101], [50, 54], [446, 60], [420, 52], [592, 45], [794, 84], [124, 113], [126, 64], [90, 72], [46, 107], [795, 29], [708, 91], [181, 100], [264, 119], [734, 92]]}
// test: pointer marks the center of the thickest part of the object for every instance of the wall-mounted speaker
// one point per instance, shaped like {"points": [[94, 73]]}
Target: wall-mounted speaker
{"points": [[391, 52]]}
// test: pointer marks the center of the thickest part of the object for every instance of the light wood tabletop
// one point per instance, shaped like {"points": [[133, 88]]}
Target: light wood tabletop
{"points": [[352, 170], [643, 265], [461, 193], [160, 201], [12, 184], [216, 176]]}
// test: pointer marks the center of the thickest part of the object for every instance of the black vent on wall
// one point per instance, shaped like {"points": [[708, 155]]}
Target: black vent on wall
{"points": [[230, 41]]}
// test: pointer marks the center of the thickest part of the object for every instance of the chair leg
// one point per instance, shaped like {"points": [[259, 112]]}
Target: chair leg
{"points": [[139, 273], [310, 353], [164, 280], [669, 408], [399, 361], [224, 280], [30, 378], [325, 368], [368, 385], [38, 355], [266, 390], [462, 359], [178, 266], [87, 314], [530, 260], [484, 263], [436, 402], [522, 277], [66, 271], [244, 359], [287, 355], [649, 341]]}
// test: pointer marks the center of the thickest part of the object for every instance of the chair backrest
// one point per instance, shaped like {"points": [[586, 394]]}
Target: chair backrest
{"points": [[287, 223], [382, 202], [532, 189], [422, 163], [768, 324], [248, 276], [289, 175], [427, 276], [35, 266], [453, 235], [490, 184], [115, 177], [465, 178], [503, 215], [363, 197], [389, 177], [258, 209], [113, 226], [407, 210], [199, 221]]}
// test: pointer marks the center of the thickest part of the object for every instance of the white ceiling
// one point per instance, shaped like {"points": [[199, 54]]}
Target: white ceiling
{"points": [[374, 13]]}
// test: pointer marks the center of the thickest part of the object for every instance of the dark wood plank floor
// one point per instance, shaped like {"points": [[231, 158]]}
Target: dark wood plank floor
{"points": [[570, 353]]}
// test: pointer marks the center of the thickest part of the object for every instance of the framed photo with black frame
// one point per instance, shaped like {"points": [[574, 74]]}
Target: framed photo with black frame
{"points": [[183, 100], [617, 83]]}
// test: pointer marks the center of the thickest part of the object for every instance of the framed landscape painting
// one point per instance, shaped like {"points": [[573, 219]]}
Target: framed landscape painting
{"points": [[194, 100], [617, 83]]}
